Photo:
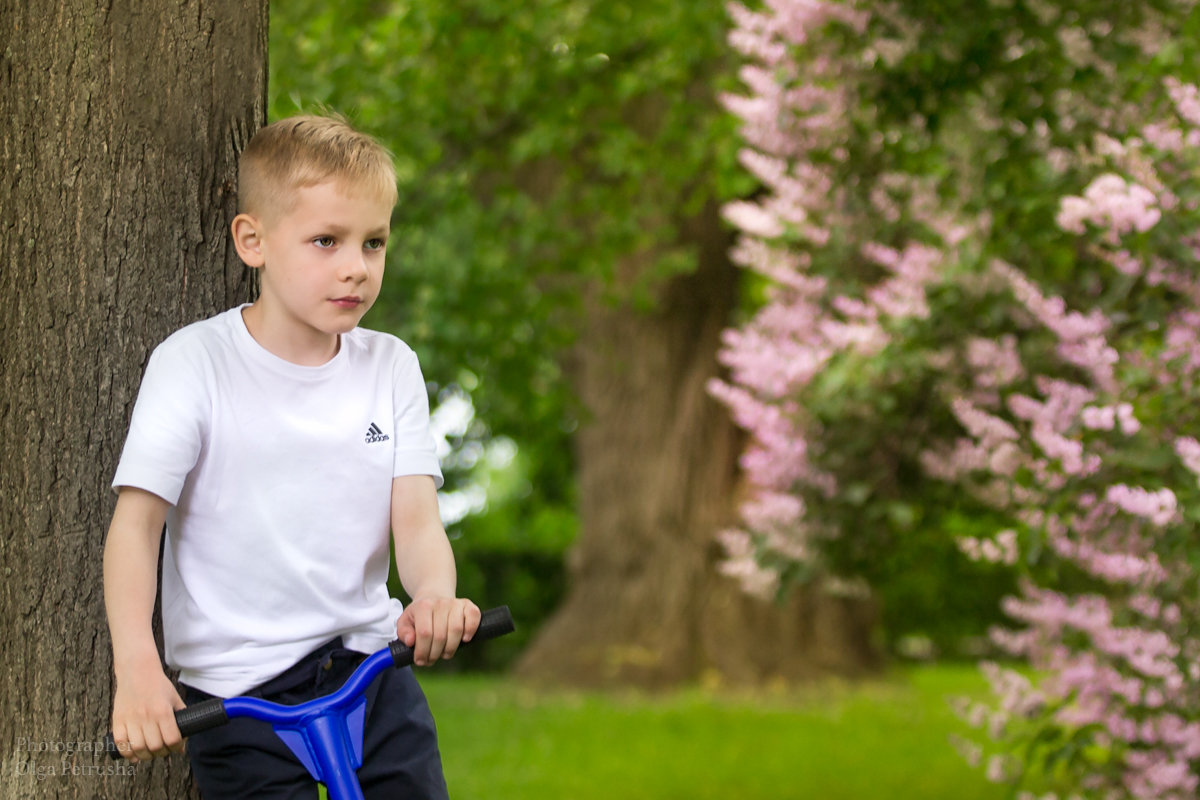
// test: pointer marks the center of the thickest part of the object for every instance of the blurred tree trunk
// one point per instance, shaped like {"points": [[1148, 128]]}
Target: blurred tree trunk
{"points": [[658, 476], [121, 124]]}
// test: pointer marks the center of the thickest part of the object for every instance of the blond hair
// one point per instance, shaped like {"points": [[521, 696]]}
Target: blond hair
{"points": [[306, 150]]}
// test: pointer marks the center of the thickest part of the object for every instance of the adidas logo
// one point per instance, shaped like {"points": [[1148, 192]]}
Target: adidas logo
{"points": [[374, 434]]}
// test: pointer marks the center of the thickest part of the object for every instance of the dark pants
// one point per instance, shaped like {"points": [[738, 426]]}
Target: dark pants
{"points": [[245, 759]]}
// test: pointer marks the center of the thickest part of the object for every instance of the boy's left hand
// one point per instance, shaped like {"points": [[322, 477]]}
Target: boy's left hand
{"points": [[434, 626]]}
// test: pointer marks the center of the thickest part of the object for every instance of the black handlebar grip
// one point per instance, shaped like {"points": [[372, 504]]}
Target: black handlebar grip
{"points": [[195, 718], [492, 623], [201, 716], [110, 746]]}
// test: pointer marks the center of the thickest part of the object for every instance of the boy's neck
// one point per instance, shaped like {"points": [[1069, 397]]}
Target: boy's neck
{"points": [[306, 348]]}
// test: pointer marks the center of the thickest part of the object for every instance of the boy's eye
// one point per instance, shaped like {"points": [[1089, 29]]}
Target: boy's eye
{"points": [[323, 241], [374, 244]]}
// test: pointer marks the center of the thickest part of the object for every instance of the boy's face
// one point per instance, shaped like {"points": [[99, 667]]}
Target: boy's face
{"points": [[322, 261]]}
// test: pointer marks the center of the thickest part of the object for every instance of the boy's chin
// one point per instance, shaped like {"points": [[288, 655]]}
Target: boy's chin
{"points": [[346, 322]]}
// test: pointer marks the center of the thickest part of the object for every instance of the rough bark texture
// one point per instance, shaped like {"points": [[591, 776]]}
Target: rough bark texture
{"points": [[120, 125], [658, 475]]}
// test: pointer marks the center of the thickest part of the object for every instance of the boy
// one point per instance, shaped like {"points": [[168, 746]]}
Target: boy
{"points": [[278, 442]]}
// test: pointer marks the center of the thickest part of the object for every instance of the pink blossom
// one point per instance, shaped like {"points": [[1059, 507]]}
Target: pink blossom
{"points": [[1107, 417], [1069, 452], [773, 511], [1109, 566], [1112, 204], [1017, 694], [1155, 777], [1188, 450], [753, 219], [1147, 605], [752, 35], [1158, 506], [1181, 355], [742, 565], [1006, 459], [1002, 549], [1165, 136], [1124, 262], [989, 429], [1100, 417], [970, 751], [1129, 423], [1082, 335], [996, 363], [1186, 98], [783, 267]]}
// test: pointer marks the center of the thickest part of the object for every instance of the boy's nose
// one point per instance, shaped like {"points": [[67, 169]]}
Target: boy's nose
{"points": [[355, 268]]}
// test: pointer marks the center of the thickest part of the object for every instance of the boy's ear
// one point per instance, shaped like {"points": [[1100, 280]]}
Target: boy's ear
{"points": [[247, 239]]}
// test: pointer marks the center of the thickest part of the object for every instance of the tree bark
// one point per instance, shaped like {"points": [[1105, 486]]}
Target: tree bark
{"points": [[121, 126], [657, 467]]}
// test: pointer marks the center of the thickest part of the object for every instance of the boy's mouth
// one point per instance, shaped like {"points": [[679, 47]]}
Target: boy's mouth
{"points": [[346, 302]]}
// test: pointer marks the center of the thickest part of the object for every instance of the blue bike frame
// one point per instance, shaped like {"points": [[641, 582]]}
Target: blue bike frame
{"points": [[326, 733]]}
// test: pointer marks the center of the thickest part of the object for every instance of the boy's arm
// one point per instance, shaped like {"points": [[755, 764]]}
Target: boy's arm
{"points": [[144, 702], [435, 622]]}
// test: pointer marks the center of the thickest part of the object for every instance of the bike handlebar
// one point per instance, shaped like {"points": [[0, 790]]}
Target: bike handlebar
{"points": [[215, 712], [492, 623]]}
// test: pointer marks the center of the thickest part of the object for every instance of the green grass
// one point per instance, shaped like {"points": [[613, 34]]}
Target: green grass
{"points": [[832, 741]]}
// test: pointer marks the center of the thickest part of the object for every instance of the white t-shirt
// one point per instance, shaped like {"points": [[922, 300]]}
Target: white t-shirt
{"points": [[279, 477]]}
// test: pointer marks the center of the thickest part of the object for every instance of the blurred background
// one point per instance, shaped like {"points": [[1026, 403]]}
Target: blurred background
{"points": [[770, 348]]}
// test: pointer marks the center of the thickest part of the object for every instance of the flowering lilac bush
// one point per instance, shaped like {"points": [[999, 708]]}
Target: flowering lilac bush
{"points": [[846, 272], [913, 353], [1097, 464]]}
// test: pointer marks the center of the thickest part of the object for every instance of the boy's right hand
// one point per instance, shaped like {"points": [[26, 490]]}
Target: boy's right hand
{"points": [[144, 708]]}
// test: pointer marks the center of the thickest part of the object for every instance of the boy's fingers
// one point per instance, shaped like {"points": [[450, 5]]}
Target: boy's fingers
{"points": [[437, 640], [154, 741], [172, 739], [456, 633], [405, 631], [423, 628], [131, 743], [141, 752], [121, 740], [471, 617], [437, 627]]}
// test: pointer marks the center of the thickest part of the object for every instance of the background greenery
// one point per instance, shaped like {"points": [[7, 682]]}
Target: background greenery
{"points": [[536, 145], [522, 175]]}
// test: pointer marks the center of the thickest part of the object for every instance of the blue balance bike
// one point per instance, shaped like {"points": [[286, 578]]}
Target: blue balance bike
{"points": [[326, 733]]}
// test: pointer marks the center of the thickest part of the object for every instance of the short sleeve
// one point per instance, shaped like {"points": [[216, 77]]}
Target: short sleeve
{"points": [[415, 449], [168, 426]]}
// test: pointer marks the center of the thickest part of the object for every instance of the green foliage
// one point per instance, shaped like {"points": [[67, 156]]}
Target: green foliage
{"points": [[900, 528], [537, 145], [516, 557]]}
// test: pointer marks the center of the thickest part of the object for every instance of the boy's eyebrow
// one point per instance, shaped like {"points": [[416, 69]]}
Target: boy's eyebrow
{"points": [[339, 230]]}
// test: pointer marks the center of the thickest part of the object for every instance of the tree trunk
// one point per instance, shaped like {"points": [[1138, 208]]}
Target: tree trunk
{"points": [[657, 461], [121, 125]]}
